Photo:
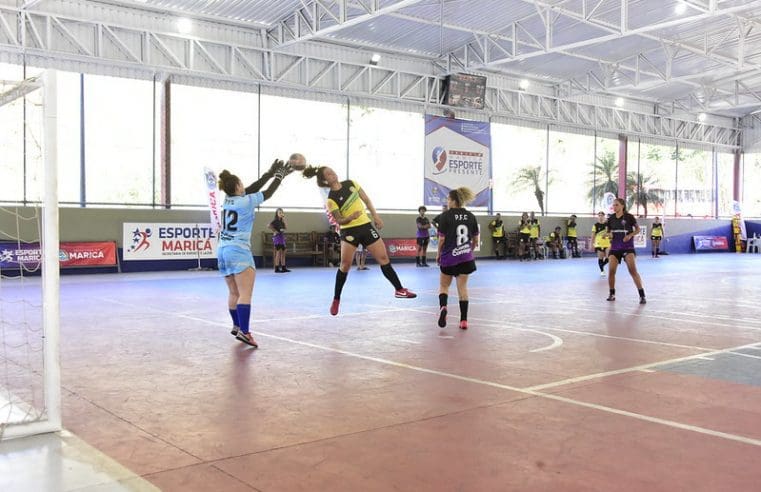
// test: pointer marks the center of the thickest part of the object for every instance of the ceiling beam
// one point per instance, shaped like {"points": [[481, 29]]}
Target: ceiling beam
{"points": [[612, 31], [319, 18]]}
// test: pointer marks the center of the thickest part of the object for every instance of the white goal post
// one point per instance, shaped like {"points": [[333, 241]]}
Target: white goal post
{"points": [[42, 412]]}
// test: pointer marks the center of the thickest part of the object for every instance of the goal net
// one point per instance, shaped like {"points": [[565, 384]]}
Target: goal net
{"points": [[30, 389]]}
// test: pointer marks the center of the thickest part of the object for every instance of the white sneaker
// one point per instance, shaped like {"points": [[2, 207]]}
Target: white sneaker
{"points": [[602, 274]]}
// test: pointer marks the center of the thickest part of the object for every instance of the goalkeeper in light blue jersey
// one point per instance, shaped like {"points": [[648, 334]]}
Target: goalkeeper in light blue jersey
{"points": [[234, 256]]}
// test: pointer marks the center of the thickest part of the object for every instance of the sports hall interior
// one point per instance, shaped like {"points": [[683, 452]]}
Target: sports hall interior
{"points": [[123, 375]]}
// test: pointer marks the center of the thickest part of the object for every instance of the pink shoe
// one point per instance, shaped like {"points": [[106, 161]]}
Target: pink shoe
{"points": [[405, 294], [334, 306], [464, 324], [247, 338]]}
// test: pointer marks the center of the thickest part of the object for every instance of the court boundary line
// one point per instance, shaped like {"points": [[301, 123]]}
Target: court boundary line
{"points": [[533, 390], [528, 391]]}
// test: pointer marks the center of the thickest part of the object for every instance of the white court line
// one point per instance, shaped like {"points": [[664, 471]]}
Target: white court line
{"points": [[416, 342], [709, 316], [637, 368], [527, 327], [682, 320], [743, 304], [529, 391], [703, 357], [747, 355], [556, 341], [526, 391]]}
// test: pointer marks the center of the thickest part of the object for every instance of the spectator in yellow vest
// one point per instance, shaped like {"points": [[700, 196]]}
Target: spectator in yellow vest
{"points": [[497, 229]]}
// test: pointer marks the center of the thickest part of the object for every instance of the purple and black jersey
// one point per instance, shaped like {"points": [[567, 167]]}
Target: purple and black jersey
{"points": [[620, 227], [278, 238], [421, 222], [457, 228]]}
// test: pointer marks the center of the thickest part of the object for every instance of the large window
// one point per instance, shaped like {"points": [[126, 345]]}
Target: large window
{"points": [[519, 158], [11, 138], [725, 171], [386, 156], [751, 177], [216, 129], [656, 182], [118, 140], [68, 125], [694, 194], [572, 160], [315, 129]]}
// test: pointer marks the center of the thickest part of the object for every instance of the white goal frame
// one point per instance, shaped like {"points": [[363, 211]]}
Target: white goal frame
{"points": [[50, 242]]}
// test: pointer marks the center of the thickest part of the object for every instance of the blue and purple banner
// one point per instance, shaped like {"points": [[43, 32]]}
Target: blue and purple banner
{"points": [[457, 153], [72, 254]]}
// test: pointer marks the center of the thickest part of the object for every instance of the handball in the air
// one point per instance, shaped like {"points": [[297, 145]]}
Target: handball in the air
{"points": [[297, 162]]}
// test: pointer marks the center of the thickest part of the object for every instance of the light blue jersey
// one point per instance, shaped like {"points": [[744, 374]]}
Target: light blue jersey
{"points": [[238, 220]]}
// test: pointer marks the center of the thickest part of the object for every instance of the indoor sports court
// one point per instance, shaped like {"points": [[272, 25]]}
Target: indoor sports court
{"points": [[185, 305]]}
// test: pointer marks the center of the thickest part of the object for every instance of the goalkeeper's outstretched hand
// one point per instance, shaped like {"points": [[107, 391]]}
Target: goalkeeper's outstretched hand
{"points": [[282, 170], [275, 165]]}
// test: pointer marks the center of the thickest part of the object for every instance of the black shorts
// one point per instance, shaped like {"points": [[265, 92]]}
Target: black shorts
{"points": [[423, 241], [460, 269], [598, 249], [280, 247], [656, 238], [621, 254], [364, 234], [498, 240], [524, 237]]}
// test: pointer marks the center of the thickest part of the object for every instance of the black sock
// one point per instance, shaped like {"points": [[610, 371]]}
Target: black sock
{"points": [[443, 298], [601, 264], [417, 261], [463, 310], [606, 261], [657, 251], [612, 292], [340, 281], [390, 274], [641, 292]]}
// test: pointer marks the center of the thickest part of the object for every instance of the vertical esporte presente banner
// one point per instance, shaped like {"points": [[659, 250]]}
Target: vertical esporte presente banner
{"points": [[457, 153], [215, 204]]}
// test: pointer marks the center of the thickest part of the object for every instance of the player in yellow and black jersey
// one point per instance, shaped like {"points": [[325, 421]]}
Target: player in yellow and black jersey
{"points": [[601, 241], [656, 235], [347, 202], [571, 236]]}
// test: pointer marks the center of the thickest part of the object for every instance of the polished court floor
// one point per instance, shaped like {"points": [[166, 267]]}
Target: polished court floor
{"points": [[551, 389]]}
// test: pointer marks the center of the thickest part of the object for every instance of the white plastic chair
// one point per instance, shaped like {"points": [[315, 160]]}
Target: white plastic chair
{"points": [[753, 244]]}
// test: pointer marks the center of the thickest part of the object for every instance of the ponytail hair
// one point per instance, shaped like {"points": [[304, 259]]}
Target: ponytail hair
{"points": [[228, 182], [462, 196], [316, 172]]}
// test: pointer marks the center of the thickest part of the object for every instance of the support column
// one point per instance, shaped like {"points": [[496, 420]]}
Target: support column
{"points": [[737, 176], [165, 142], [623, 147]]}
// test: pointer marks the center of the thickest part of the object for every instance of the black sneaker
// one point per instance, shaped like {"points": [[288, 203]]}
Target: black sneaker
{"points": [[234, 331], [642, 300], [611, 297], [443, 317]]}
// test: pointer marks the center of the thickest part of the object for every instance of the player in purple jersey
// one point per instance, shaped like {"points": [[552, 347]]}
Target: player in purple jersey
{"points": [[278, 228], [423, 224], [458, 237], [622, 227]]}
